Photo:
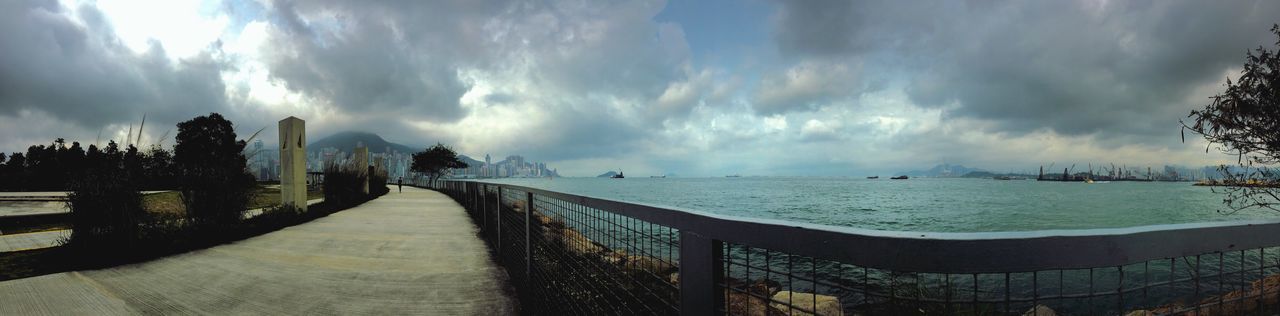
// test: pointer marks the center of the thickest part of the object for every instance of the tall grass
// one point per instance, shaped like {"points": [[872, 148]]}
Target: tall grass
{"points": [[378, 181], [344, 183]]}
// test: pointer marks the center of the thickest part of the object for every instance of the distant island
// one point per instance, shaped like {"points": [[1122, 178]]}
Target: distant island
{"points": [[942, 171], [609, 174]]}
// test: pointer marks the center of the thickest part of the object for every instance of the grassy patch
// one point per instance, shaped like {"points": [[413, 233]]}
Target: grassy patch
{"points": [[28, 263], [35, 228], [164, 203], [170, 203], [264, 196]]}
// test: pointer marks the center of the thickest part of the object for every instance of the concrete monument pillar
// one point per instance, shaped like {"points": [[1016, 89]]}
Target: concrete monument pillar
{"points": [[362, 164], [293, 163]]}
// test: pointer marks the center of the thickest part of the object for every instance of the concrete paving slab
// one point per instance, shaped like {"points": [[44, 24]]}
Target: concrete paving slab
{"points": [[19, 208], [37, 240], [404, 253]]}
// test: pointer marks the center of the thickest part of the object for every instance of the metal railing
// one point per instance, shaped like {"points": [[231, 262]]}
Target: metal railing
{"points": [[573, 254]]}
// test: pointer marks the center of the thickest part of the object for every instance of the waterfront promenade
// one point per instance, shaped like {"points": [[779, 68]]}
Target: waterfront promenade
{"points": [[404, 253]]}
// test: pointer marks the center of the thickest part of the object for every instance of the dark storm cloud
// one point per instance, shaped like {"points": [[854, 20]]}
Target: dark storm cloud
{"points": [[83, 74], [366, 59], [1123, 69]]}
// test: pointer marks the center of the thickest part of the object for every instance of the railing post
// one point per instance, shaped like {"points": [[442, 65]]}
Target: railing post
{"points": [[701, 272], [528, 239], [484, 210], [497, 223]]}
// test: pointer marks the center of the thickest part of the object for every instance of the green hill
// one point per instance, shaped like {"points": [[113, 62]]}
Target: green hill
{"points": [[346, 141]]}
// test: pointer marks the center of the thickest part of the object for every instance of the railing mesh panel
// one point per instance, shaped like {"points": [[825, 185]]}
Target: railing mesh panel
{"points": [[1242, 282], [580, 260]]}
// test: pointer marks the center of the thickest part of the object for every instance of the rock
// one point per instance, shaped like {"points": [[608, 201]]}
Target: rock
{"points": [[638, 262], [517, 206], [674, 278], [825, 304], [575, 242], [1040, 310], [743, 304]]}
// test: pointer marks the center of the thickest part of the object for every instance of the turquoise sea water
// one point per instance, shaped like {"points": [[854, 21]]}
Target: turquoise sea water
{"points": [[926, 204]]}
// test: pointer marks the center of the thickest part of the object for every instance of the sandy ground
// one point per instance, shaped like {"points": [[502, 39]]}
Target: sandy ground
{"points": [[404, 253]]}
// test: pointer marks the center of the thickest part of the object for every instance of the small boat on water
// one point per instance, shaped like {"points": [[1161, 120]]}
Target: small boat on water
{"points": [[618, 176], [658, 177], [873, 177], [733, 176], [899, 178]]}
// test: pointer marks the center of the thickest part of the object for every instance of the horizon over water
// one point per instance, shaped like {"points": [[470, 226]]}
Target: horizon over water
{"points": [[924, 204]]}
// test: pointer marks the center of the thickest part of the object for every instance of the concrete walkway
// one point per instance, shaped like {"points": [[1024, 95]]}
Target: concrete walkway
{"points": [[404, 253]]}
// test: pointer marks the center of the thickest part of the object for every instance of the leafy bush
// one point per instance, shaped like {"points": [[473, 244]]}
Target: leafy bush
{"points": [[106, 209], [215, 187]]}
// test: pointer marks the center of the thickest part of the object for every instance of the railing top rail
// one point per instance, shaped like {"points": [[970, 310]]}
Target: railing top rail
{"points": [[936, 252]]}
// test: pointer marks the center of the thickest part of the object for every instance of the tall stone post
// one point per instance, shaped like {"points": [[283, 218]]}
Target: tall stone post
{"points": [[362, 164], [293, 163]]}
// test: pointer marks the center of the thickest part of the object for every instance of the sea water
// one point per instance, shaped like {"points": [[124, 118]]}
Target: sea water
{"points": [[922, 204]]}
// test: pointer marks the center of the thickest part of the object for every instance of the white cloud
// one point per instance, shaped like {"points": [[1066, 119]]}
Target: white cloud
{"points": [[805, 86], [183, 27]]}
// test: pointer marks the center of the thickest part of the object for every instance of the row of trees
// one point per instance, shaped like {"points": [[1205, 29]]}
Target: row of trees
{"points": [[106, 207], [52, 167]]}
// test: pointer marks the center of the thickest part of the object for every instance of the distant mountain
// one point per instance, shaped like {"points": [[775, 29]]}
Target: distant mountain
{"points": [[941, 171], [609, 174], [470, 162], [346, 141]]}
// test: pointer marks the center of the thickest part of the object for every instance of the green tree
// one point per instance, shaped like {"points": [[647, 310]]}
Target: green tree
{"points": [[16, 172], [157, 168], [1244, 121], [210, 161], [436, 161]]}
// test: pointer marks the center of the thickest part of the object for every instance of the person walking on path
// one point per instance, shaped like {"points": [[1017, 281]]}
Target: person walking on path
{"points": [[400, 184]]}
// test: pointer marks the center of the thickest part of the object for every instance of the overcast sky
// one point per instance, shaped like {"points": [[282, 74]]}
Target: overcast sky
{"points": [[687, 87]]}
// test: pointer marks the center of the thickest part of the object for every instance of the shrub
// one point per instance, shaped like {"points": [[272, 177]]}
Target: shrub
{"points": [[215, 186], [106, 209]]}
